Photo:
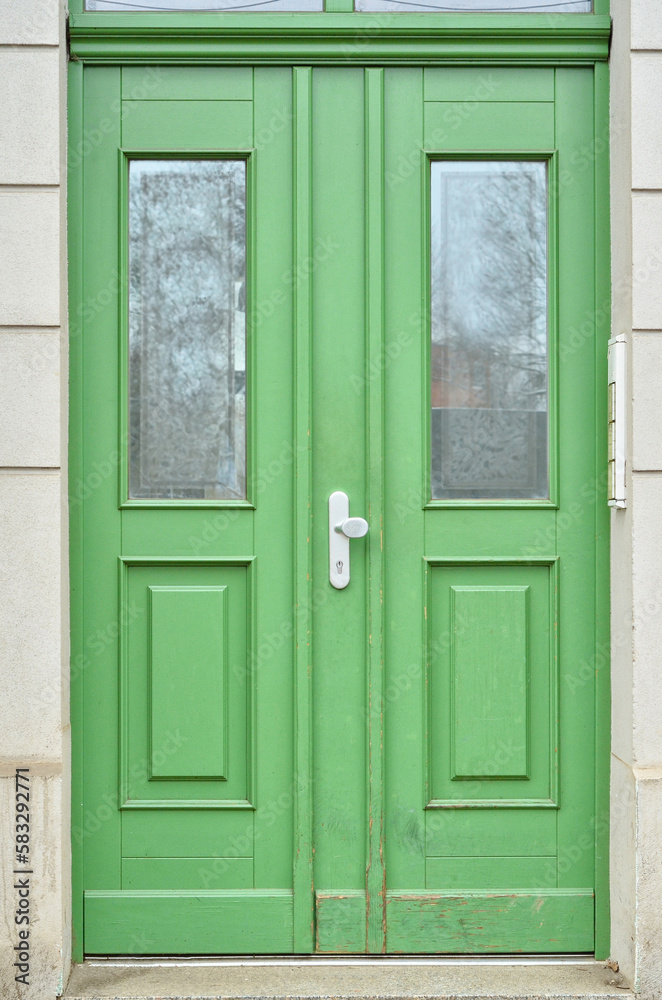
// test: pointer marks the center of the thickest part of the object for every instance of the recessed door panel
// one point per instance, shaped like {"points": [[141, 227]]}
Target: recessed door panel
{"points": [[492, 683], [185, 690]]}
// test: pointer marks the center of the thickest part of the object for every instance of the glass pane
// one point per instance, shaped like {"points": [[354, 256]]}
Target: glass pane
{"points": [[161, 6], [187, 329], [480, 6], [489, 330]]}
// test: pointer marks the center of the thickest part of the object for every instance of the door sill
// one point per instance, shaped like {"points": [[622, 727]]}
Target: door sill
{"points": [[253, 961], [558, 977]]}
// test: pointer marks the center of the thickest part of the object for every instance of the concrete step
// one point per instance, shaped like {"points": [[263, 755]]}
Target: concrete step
{"points": [[345, 979]]}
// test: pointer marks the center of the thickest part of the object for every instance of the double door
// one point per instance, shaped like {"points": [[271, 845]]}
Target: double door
{"points": [[292, 282]]}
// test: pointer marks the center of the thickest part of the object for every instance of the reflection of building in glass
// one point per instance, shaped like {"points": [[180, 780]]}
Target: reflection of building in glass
{"points": [[489, 329]]}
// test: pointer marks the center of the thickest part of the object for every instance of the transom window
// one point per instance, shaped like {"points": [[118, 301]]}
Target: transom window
{"points": [[311, 6], [207, 6]]}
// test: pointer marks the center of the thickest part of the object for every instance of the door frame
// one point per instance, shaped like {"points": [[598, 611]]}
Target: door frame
{"points": [[302, 41]]}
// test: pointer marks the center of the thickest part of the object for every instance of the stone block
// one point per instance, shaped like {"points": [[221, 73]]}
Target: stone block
{"points": [[646, 24], [647, 119], [44, 889], [30, 120], [32, 706], [647, 620], [649, 882], [647, 261], [30, 258], [622, 865], [29, 22], [30, 399], [646, 396]]}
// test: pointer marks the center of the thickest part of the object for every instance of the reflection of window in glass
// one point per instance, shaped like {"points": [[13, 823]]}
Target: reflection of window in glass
{"points": [[187, 329], [489, 330], [481, 6], [202, 6]]}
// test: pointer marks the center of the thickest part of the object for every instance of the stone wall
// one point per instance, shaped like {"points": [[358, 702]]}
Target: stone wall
{"points": [[33, 522], [34, 731], [636, 841]]}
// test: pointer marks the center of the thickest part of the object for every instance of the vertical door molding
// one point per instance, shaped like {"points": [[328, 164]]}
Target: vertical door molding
{"points": [[374, 326], [303, 834]]}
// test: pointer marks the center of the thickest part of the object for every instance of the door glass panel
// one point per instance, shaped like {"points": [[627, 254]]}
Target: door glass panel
{"points": [[187, 329], [489, 330], [202, 6], [480, 6]]}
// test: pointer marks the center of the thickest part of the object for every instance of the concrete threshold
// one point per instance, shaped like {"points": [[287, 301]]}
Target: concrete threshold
{"points": [[296, 978]]}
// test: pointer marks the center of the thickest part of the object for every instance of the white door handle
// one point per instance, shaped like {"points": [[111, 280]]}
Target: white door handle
{"points": [[342, 527], [353, 527]]}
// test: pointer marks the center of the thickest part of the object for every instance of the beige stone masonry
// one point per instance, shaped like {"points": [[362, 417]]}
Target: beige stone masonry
{"points": [[34, 720], [636, 778], [30, 372], [46, 905], [34, 713]]}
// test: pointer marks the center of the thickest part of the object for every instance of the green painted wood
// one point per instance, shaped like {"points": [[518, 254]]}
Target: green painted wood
{"points": [[489, 833], [100, 834], [492, 125], [492, 923], [193, 726], [304, 916], [374, 326], [143, 922], [340, 922], [404, 339], [339, 461], [487, 873], [143, 837], [489, 669], [187, 873], [187, 83], [576, 534], [272, 655], [461, 83], [180, 803], [338, 286], [442, 546], [349, 38], [188, 674], [204, 531], [602, 609], [492, 684], [182, 124]]}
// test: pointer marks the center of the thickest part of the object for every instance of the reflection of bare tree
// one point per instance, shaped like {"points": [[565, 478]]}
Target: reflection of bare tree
{"points": [[489, 306], [187, 262]]}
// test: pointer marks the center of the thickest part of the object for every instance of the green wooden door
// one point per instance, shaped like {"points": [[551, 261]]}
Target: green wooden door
{"points": [[496, 799], [336, 278], [186, 531]]}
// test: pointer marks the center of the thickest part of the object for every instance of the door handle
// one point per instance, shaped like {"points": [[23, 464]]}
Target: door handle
{"points": [[342, 527]]}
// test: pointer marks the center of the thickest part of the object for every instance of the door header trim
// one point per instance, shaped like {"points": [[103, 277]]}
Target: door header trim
{"points": [[340, 39]]}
